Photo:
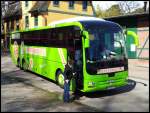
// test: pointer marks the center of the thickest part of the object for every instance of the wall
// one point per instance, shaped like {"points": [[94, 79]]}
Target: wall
{"points": [[143, 33], [140, 25], [64, 6], [54, 16], [50, 16]]}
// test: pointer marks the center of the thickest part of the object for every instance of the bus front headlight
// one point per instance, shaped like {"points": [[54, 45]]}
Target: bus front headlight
{"points": [[91, 84]]}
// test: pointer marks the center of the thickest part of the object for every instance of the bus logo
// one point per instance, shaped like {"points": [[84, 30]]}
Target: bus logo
{"points": [[30, 63], [15, 50]]}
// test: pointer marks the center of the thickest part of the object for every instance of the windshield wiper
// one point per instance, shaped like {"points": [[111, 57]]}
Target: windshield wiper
{"points": [[112, 53]]}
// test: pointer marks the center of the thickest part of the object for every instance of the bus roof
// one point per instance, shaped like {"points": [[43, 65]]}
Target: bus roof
{"points": [[75, 19], [32, 29]]}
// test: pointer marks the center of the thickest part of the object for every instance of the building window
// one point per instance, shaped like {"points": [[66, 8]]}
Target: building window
{"points": [[55, 3], [36, 21], [8, 27], [26, 3], [12, 25], [26, 22], [17, 24], [2, 27], [45, 20], [71, 4], [84, 3]]}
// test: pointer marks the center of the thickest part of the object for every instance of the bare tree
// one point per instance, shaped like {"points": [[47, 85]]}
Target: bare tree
{"points": [[4, 9], [128, 6], [4, 6]]}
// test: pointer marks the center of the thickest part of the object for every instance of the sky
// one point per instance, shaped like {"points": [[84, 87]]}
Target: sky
{"points": [[107, 4]]}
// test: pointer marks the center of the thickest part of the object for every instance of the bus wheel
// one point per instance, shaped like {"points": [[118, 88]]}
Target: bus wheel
{"points": [[60, 79], [18, 62], [24, 66]]}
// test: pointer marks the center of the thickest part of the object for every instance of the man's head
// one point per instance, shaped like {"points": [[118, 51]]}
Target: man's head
{"points": [[71, 61]]}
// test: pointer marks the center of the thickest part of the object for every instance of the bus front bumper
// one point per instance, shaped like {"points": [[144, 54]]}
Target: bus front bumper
{"points": [[105, 85]]}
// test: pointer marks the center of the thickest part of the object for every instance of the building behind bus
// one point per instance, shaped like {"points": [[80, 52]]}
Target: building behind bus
{"points": [[20, 15]]}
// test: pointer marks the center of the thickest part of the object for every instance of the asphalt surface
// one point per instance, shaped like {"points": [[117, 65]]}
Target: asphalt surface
{"points": [[26, 91]]}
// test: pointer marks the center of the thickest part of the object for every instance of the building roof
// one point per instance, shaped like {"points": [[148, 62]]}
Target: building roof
{"points": [[13, 11], [128, 16], [129, 20], [40, 6]]}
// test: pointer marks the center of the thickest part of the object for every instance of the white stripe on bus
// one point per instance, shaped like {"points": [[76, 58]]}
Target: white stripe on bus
{"points": [[63, 60]]}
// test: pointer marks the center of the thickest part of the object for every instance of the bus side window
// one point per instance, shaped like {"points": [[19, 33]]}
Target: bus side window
{"points": [[15, 40], [31, 38], [43, 36], [36, 38], [65, 38], [25, 38], [59, 37], [70, 38], [55, 37], [51, 38]]}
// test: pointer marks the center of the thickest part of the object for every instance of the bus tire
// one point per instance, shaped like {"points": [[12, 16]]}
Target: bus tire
{"points": [[60, 79], [18, 62], [24, 65]]}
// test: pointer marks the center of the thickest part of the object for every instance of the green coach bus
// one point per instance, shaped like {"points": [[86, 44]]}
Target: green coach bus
{"points": [[97, 46]]}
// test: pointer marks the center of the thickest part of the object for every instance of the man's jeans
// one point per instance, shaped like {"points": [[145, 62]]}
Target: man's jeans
{"points": [[66, 91]]}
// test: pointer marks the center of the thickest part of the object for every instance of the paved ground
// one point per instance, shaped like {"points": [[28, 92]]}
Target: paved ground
{"points": [[139, 69], [26, 91]]}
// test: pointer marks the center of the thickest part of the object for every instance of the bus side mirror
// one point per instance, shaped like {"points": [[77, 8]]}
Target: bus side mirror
{"points": [[86, 39], [86, 43]]}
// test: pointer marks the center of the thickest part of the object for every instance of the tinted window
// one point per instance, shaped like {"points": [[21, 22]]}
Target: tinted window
{"points": [[55, 3], [71, 4], [26, 3], [36, 38], [15, 37], [58, 37], [26, 22], [36, 21], [85, 5]]}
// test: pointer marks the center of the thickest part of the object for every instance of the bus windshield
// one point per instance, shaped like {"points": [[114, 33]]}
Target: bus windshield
{"points": [[106, 41]]}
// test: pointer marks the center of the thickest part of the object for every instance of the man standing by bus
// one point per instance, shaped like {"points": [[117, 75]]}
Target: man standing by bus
{"points": [[68, 74]]}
